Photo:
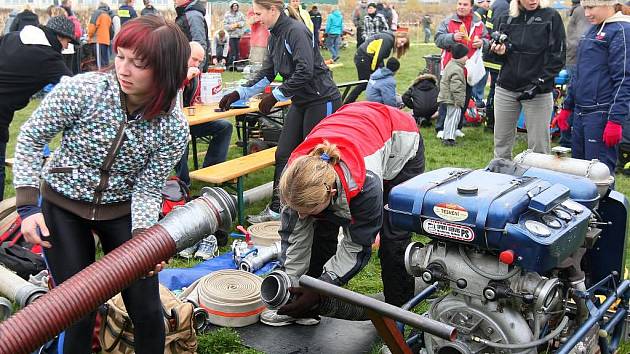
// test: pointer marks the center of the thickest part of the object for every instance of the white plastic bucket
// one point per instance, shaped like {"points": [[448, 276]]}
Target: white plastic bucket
{"points": [[211, 85]]}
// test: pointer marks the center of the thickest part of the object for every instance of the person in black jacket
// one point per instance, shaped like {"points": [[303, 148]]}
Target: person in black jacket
{"points": [[532, 57], [371, 55], [422, 98], [294, 54], [24, 18], [29, 60], [191, 20], [316, 18]]}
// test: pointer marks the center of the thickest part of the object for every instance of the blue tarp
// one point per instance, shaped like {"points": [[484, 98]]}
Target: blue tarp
{"points": [[177, 278]]}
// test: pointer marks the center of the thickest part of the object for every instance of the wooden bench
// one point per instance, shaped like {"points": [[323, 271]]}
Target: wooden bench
{"points": [[234, 170]]}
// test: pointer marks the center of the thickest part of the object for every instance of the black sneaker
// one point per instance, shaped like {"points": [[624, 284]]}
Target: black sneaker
{"points": [[449, 142]]}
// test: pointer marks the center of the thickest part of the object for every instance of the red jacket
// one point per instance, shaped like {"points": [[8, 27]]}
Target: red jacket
{"points": [[370, 136], [452, 24]]}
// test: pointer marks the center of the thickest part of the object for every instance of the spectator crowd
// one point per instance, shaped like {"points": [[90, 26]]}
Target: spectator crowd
{"points": [[499, 60]]}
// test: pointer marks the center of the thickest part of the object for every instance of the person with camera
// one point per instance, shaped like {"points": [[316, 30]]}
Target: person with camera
{"points": [[600, 90], [294, 54], [340, 177], [531, 45]]}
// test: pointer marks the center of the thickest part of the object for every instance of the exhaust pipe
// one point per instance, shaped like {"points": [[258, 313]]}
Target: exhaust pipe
{"points": [[86, 290], [17, 289]]}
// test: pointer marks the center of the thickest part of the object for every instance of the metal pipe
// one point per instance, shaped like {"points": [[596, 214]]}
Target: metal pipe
{"points": [[609, 327], [86, 290], [428, 291], [17, 289], [384, 309], [6, 308], [256, 194], [595, 317]]}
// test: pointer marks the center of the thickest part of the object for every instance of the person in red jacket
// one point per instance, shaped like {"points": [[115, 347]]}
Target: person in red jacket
{"points": [[465, 27], [340, 177]]}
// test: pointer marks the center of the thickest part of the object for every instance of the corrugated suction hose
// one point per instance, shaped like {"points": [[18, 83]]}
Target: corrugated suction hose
{"points": [[86, 290]]}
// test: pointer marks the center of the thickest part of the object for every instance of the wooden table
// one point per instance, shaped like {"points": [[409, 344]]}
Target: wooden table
{"points": [[206, 113], [334, 65]]}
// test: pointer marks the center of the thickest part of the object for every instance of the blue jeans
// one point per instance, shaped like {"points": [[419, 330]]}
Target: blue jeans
{"points": [[102, 55], [479, 88], [332, 42], [221, 133]]}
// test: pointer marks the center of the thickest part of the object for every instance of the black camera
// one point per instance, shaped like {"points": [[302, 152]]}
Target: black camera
{"points": [[499, 38]]}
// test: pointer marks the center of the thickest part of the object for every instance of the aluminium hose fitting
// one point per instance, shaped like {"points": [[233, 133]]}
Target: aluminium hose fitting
{"points": [[274, 291]]}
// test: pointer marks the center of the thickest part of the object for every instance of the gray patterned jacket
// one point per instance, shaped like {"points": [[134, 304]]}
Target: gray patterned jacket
{"points": [[87, 110]]}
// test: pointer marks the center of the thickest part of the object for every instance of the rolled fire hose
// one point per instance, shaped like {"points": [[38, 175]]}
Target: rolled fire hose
{"points": [[6, 307], [256, 260], [17, 289], [86, 290], [265, 233], [231, 297]]}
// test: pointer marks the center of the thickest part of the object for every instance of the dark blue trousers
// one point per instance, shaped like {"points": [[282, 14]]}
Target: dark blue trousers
{"points": [[587, 139]]}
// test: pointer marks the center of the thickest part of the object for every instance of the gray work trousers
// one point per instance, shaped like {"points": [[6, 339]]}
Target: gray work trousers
{"points": [[537, 115]]}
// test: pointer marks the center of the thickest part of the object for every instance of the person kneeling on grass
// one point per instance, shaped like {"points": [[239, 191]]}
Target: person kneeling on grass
{"points": [[453, 91], [340, 176], [382, 85]]}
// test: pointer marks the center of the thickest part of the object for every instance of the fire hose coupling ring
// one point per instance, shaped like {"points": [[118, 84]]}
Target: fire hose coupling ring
{"points": [[274, 290], [6, 308], [213, 211]]}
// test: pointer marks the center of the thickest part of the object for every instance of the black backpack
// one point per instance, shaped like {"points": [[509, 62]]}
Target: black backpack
{"points": [[19, 255]]}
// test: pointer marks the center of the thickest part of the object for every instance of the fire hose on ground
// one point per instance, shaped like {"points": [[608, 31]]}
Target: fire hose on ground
{"points": [[17, 289], [86, 290]]}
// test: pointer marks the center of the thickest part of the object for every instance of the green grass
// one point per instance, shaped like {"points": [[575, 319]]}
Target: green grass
{"points": [[472, 151]]}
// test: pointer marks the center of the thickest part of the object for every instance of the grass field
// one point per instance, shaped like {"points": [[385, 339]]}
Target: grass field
{"points": [[472, 151]]}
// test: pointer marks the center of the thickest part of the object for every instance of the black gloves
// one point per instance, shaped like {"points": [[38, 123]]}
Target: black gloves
{"points": [[266, 103], [228, 99], [530, 92], [304, 306]]}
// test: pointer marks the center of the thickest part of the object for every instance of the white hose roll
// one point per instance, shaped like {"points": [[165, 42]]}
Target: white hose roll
{"points": [[265, 233], [231, 297]]}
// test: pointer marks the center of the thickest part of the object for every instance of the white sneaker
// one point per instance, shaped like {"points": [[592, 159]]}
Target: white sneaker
{"points": [[271, 318], [188, 252], [440, 134], [459, 134], [207, 248]]}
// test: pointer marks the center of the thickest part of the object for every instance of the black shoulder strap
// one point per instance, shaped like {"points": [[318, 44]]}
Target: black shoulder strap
{"points": [[109, 159]]}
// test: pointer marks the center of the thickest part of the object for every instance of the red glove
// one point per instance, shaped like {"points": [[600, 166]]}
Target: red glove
{"points": [[562, 119], [612, 134]]}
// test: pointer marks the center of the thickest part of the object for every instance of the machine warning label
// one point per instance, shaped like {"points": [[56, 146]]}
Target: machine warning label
{"points": [[445, 229], [451, 212]]}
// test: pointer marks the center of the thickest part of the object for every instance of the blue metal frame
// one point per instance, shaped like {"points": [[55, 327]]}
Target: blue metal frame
{"points": [[608, 344]]}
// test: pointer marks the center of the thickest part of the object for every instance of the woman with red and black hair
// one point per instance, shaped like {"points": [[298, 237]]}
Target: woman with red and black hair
{"points": [[122, 133]]}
